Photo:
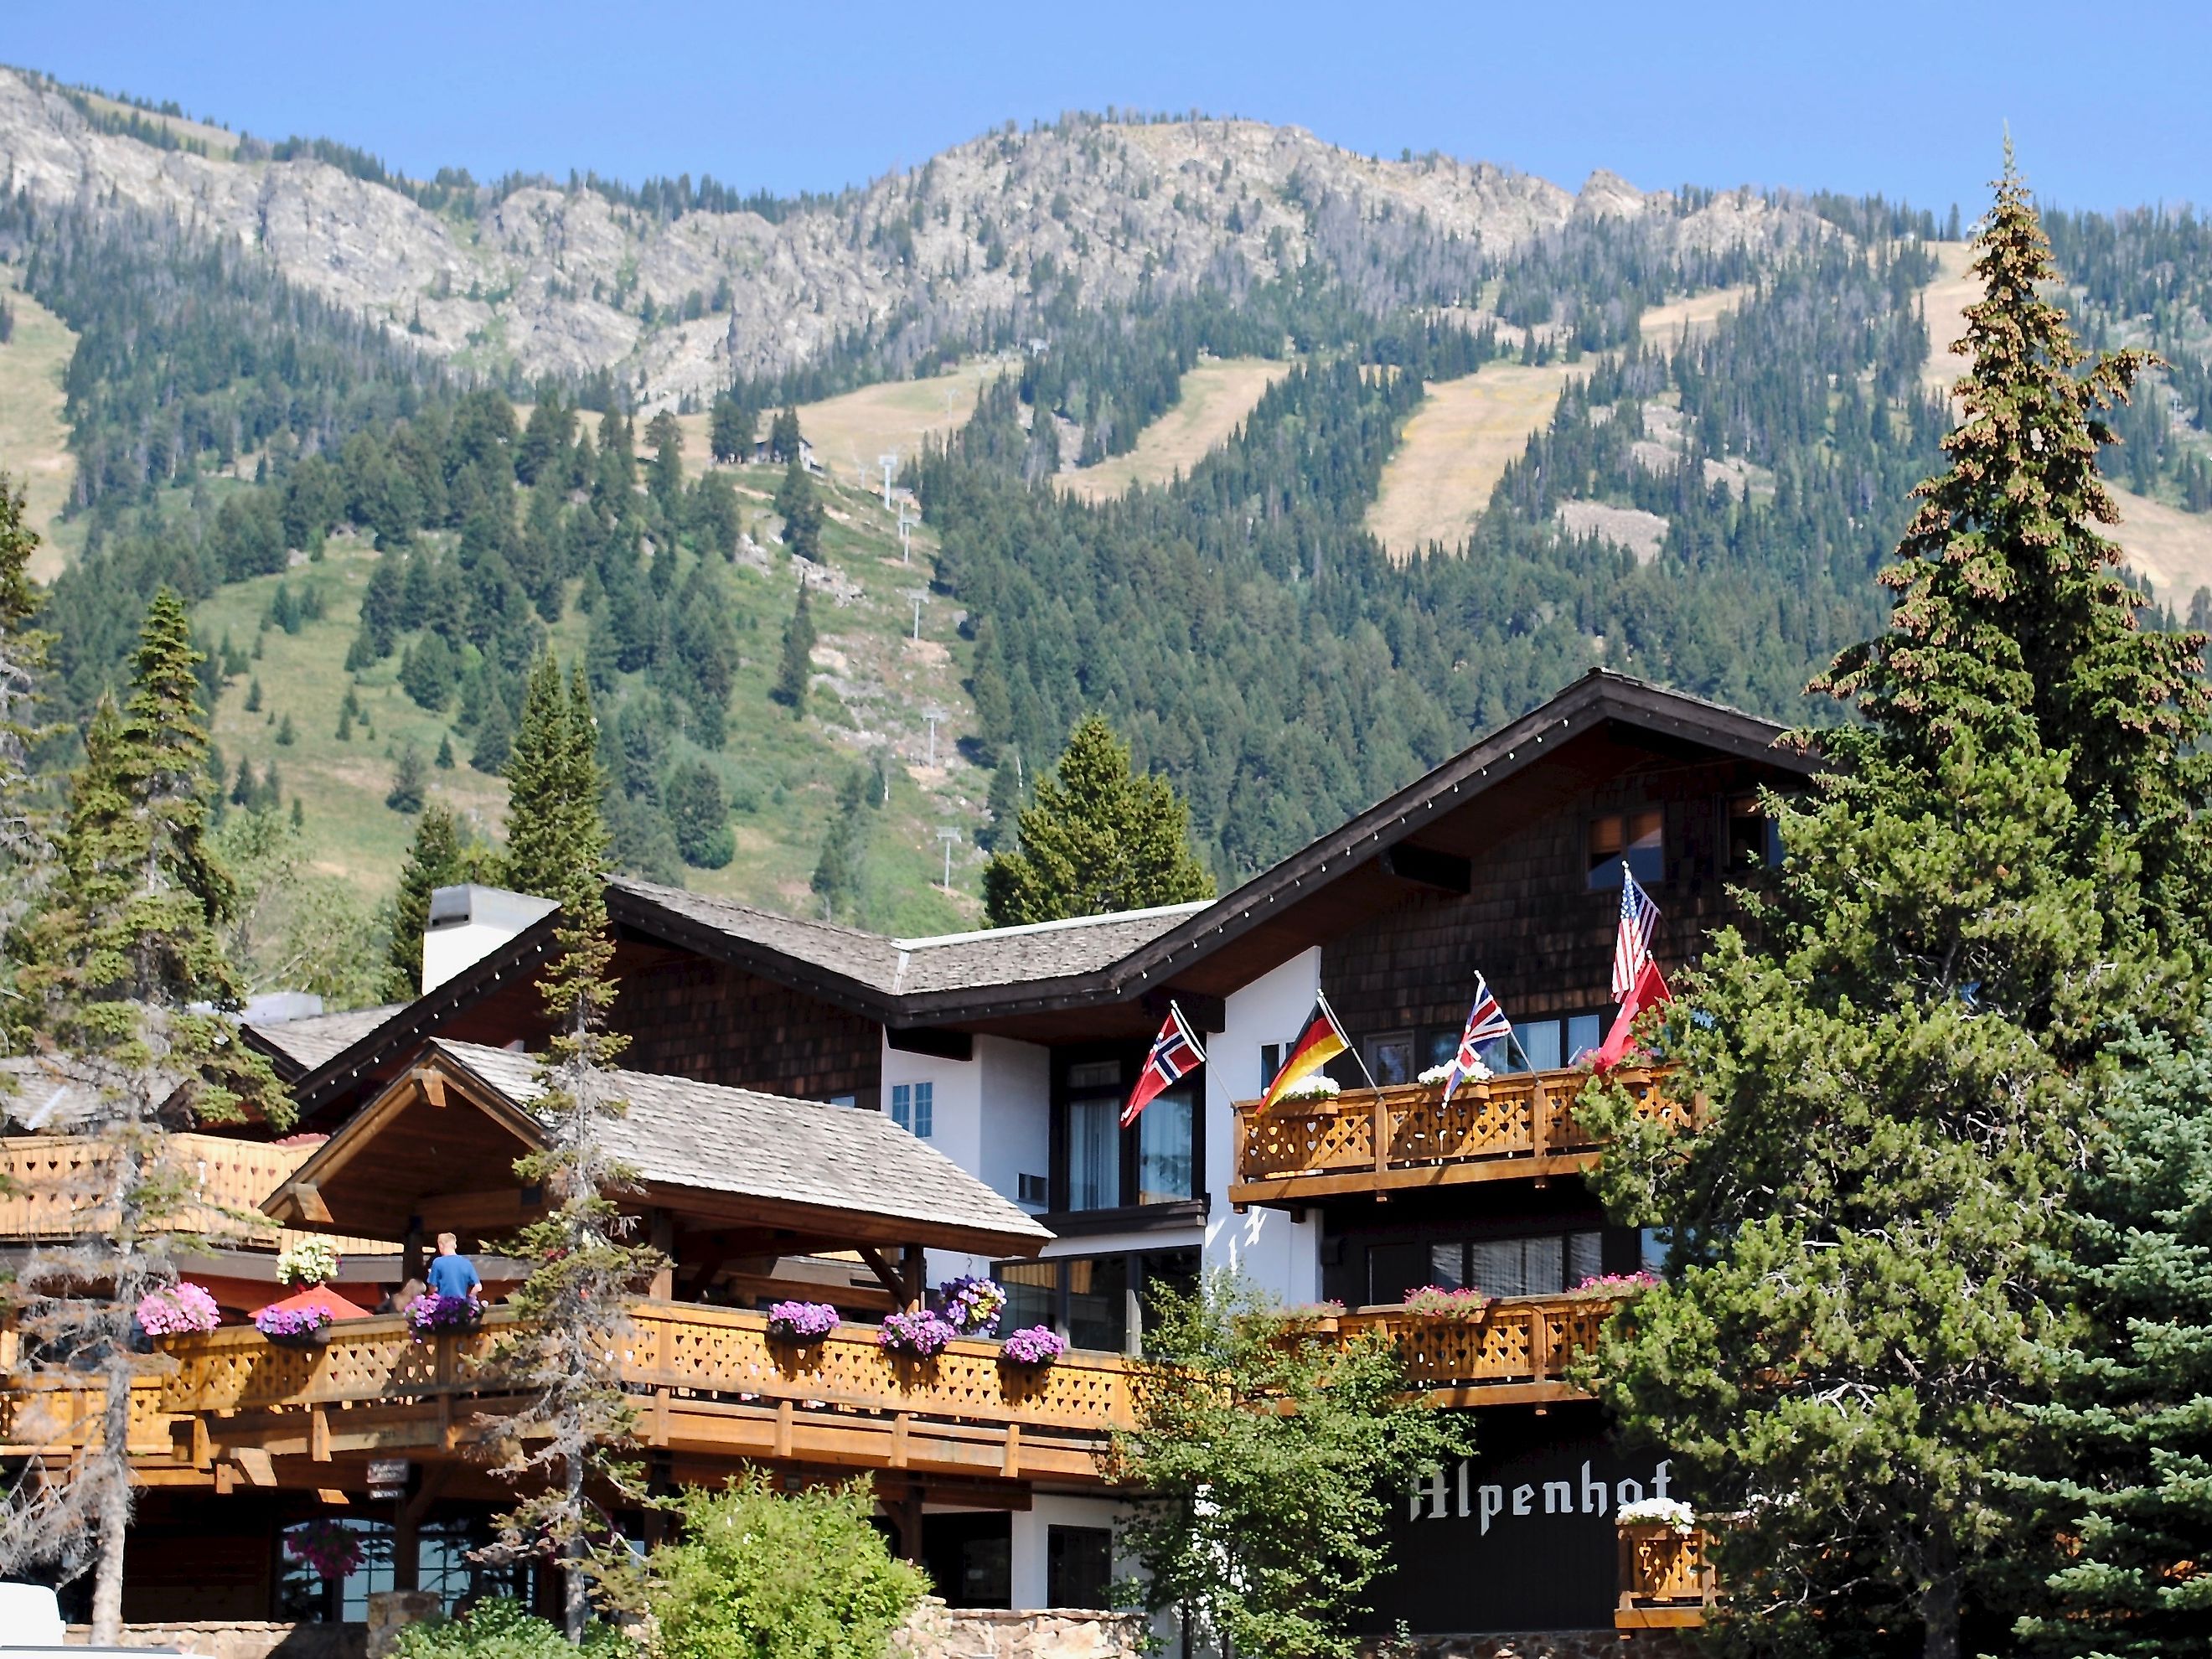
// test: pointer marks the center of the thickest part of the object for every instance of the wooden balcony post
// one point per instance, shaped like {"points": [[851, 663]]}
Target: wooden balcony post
{"points": [[662, 1287], [1382, 1134], [1540, 1118], [914, 1274], [1240, 1130]]}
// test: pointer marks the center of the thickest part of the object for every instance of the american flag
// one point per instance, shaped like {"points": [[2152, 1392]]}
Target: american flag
{"points": [[1486, 1022], [1631, 946], [1176, 1054]]}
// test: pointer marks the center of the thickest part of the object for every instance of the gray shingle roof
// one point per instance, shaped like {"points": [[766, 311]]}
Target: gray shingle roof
{"points": [[314, 1039], [950, 962], [716, 1140]]}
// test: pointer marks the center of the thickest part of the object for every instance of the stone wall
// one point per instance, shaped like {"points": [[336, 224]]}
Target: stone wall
{"points": [[937, 1631], [235, 1639]]}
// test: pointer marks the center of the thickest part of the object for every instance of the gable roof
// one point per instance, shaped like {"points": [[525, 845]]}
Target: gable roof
{"points": [[1007, 973], [299, 1046], [854, 1175]]}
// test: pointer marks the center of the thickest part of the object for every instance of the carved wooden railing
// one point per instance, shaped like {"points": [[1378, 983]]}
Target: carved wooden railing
{"points": [[48, 1179], [1665, 1579], [1519, 1348], [1377, 1139], [692, 1352]]}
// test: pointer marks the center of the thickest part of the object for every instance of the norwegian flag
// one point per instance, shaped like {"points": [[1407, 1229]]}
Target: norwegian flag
{"points": [[1631, 946], [1176, 1054], [1486, 1022]]}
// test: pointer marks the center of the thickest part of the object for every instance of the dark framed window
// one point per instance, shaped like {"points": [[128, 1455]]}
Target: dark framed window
{"points": [[1099, 1165], [1093, 1301], [1637, 838], [1528, 1264], [1078, 1566], [1390, 1059], [1754, 840]]}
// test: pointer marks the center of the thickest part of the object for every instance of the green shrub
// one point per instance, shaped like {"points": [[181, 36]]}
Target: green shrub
{"points": [[760, 1575], [500, 1629]]}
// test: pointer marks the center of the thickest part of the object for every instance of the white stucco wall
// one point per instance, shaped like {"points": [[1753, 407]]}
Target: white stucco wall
{"points": [[1280, 1256], [992, 1115], [1029, 1540]]}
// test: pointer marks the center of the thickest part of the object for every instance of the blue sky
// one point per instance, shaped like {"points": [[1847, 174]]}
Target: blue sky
{"points": [[2106, 103]]}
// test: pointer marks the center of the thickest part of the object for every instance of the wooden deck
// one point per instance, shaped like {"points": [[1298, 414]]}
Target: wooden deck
{"points": [[710, 1384], [45, 1181], [1666, 1582], [1378, 1141]]}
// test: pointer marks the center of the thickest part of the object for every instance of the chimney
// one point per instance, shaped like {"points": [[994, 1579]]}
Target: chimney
{"points": [[468, 923]]}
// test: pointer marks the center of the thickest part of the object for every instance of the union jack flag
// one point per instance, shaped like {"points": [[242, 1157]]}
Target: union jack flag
{"points": [[1632, 945], [1486, 1022], [1176, 1054]]}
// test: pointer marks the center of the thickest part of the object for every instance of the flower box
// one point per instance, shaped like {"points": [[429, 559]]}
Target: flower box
{"points": [[916, 1336], [430, 1315], [801, 1322], [1032, 1348], [971, 1305]]}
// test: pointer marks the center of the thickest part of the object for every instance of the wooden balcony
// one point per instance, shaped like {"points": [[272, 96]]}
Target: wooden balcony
{"points": [[708, 1383], [1378, 1141], [44, 1178], [1666, 1582], [1517, 1354]]}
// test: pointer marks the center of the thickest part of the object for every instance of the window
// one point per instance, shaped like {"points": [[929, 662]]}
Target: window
{"points": [[1633, 837], [1542, 1264], [1166, 1167], [914, 1106], [1271, 1061], [1078, 1566], [1094, 1153], [1390, 1059], [1034, 1190], [1585, 1032], [1754, 840], [1095, 1302], [1540, 1044]]}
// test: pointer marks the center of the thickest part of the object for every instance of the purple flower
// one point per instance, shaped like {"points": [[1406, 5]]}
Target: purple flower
{"points": [[1038, 1345], [972, 1304], [430, 1313], [179, 1309], [801, 1321], [917, 1334], [291, 1321]]}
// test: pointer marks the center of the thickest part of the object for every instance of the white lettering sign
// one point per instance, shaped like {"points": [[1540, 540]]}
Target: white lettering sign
{"points": [[1592, 1495]]}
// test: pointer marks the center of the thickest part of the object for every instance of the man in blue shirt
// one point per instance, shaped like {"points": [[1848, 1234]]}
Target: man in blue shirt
{"points": [[453, 1274]]}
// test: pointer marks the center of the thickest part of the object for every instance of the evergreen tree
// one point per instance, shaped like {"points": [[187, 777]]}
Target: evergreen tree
{"points": [[436, 859], [840, 877], [444, 759], [795, 673], [136, 1009], [430, 671], [253, 695], [1099, 837], [698, 817], [1895, 1066], [730, 429], [2011, 605], [800, 504], [554, 785], [574, 1427], [406, 795], [24, 852], [2131, 1428], [666, 478], [494, 741], [286, 735], [783, 438]]}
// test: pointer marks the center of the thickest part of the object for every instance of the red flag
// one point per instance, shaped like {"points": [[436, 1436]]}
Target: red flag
{"points": [[1649, 991]]}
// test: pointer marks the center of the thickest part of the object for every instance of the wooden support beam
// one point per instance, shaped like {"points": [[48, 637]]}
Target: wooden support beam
{"points": [[783, 1418], [453, 1213], [319, 1435], [663, 1239], [916, 1274], [310, 1200], [887, 1275], [1011, 1464], [433, 1087]]}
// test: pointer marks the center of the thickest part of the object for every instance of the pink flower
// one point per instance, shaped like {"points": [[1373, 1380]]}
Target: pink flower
{"points": [[178, 1310]]}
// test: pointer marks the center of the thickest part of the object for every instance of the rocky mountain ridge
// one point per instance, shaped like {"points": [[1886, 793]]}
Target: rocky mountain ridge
{"points": [[542, 279]]}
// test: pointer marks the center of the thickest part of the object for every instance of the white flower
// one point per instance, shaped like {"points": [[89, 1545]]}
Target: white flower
{"points": [[1669, 1512], [1319, 1086], [1434, 1074]]}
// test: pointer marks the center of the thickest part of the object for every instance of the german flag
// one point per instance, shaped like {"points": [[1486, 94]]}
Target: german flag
{"points": [[1321, 1040]]}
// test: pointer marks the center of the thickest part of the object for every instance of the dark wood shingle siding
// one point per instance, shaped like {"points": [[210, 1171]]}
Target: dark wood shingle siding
{"points": [[703, 1019], [1530, 922]]}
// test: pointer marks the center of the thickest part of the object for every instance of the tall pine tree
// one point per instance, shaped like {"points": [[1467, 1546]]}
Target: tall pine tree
{"points": [[554, 781], [571, 1434], [437, 859], [135, 1010], [1896, 1068]]}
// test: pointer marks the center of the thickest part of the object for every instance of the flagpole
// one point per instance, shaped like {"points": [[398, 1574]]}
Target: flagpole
{"points": [[1322, 997]]}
